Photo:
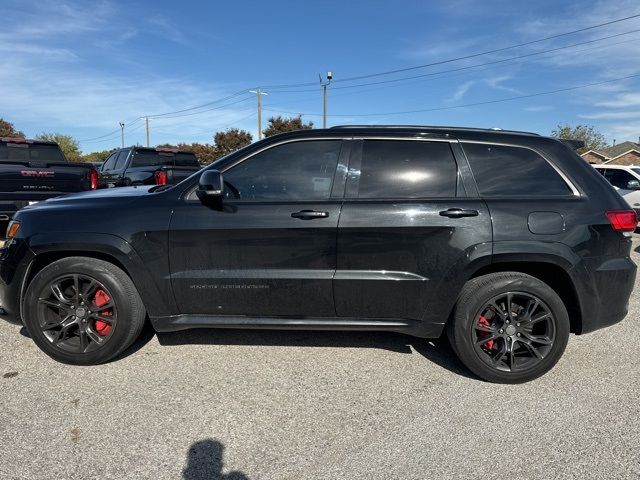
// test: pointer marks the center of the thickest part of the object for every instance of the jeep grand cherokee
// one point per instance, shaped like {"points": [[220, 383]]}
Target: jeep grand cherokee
{"points": [[506, 241]]}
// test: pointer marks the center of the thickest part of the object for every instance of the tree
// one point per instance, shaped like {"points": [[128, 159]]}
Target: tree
{"points": [[8, 130], [231, 140], [69, 145], [95, 157], [204, 152], [281, 125], [593, 140]]}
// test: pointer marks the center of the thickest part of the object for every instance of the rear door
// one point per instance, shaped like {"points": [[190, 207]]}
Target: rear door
{"points": [[408, 229]]}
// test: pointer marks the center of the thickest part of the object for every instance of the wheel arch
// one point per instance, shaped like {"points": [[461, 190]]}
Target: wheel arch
{"points": [[548, 271], [110, 248]]}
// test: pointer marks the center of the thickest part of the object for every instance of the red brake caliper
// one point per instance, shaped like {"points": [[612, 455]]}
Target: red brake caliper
{"points": [[102, 298], [486, 323]]}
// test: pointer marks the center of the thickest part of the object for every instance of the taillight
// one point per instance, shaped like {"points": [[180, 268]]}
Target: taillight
{"points": [[161, 177], [93, 180], [622, 220]]}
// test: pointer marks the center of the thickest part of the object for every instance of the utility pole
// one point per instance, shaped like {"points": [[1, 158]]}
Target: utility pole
{"points": [[324, 84], [259, 94], [122, 132], [146, 121]]}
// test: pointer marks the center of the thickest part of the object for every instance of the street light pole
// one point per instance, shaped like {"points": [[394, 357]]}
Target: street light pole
{"points": [[259, 94], [122, 133], [324, 84]]}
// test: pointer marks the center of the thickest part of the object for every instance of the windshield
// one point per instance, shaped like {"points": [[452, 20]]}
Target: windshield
{"points": [[215, 164], [26, 152]]}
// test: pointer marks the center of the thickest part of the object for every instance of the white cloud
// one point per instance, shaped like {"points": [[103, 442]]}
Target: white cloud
{"points": [[610, 115], [621, 100], [539, 108], [461, 91], [50, 79]]}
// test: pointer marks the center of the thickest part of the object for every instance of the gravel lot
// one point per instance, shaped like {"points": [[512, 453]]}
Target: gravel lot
{"points": [[293, 405]]}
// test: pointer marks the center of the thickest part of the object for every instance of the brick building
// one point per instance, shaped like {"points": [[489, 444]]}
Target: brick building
{"points": [[626, 153]]}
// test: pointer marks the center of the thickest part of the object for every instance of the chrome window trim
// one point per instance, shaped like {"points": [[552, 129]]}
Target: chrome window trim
{"points": [[566, 180], [191, 192]]}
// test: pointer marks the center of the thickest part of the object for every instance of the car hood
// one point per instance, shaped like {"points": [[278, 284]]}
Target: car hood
{"points": [[103, 196]]}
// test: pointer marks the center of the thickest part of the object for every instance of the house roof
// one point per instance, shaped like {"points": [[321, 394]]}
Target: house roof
{"points": [[611, 153], [621, 148]]}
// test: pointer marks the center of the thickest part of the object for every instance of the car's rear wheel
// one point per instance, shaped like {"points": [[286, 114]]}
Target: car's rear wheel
{"points": [[83, 311], [509, 327]]}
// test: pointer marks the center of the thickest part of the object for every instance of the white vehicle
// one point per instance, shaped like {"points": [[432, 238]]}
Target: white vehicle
{"points": [[626, 180]]}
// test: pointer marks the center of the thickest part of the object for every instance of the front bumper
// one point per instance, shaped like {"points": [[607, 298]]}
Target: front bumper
{"points": [[15, 258]]}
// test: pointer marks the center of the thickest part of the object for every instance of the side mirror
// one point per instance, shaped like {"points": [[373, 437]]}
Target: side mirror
{"points": [[633, 185], [211, 188]]}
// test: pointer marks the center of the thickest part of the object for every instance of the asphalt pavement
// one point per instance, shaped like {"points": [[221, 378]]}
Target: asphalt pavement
{"points": [[229, 404]]}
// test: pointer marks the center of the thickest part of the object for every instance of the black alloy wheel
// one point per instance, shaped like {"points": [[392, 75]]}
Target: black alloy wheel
{"points": [[76, 313]]}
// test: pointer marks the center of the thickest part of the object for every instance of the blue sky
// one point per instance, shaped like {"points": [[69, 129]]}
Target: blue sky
{"points": [[81, 67]]}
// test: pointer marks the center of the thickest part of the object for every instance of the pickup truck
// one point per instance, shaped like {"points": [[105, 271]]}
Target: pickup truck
{"points": [[32, 170], [146, 166]]}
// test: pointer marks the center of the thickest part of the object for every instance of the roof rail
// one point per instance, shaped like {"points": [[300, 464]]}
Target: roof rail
{"points": [[437, 127]]}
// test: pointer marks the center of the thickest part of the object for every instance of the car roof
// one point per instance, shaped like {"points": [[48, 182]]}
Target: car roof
{"points": [[462, 134], [605, 165], [25, 140]]}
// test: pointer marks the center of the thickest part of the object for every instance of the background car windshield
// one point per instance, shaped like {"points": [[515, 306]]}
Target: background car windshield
{"points": [[29, 152]]}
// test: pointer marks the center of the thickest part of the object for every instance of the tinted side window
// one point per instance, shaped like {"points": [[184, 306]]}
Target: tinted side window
{"points": [[122, 159], [293, 171], [149, 158], [406, 169], [513, 171], [618, 178], [110, 162]]}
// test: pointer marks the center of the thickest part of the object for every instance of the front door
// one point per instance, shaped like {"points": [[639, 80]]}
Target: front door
{"points": [[271, 250]]}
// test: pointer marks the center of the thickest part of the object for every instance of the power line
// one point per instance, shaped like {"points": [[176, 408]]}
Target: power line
{"points": [[488, 52], [487, 102], [219, 107], [477, 65], [464, 57], [233, 95]]}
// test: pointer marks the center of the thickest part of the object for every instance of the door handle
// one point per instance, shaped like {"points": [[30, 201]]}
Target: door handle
{"points": [[459, 213], [309, 214]]}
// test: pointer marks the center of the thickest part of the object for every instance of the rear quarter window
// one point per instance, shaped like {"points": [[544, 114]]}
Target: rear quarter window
{"points": [[508, 171]]}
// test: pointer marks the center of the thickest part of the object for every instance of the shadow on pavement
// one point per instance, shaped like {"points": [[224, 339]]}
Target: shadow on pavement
{"points": [[204, 462], [437, 351]]}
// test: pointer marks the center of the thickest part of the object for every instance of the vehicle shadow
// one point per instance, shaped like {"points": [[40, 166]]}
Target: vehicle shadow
{"points": [[204, 462], [437, 351]]}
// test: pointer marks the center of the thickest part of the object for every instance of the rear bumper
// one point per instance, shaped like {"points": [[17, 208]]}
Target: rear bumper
{"points": [[605, 295]]}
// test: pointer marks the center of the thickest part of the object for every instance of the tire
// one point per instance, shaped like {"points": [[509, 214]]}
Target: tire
{"points": [[481, 329], [101, 311]]}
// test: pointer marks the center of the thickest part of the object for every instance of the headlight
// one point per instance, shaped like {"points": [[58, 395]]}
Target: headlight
{"points": [[12, 229]]}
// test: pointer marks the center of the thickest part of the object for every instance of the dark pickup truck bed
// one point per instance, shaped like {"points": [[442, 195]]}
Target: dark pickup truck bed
{"points": [[146, 166], [32, 170]]}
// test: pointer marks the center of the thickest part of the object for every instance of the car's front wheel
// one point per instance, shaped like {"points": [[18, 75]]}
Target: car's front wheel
{"points": [[509, 327], [82, 311]]}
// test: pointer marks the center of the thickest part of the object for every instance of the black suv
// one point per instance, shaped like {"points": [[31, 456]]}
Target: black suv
{"points": [[507, 241]]}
